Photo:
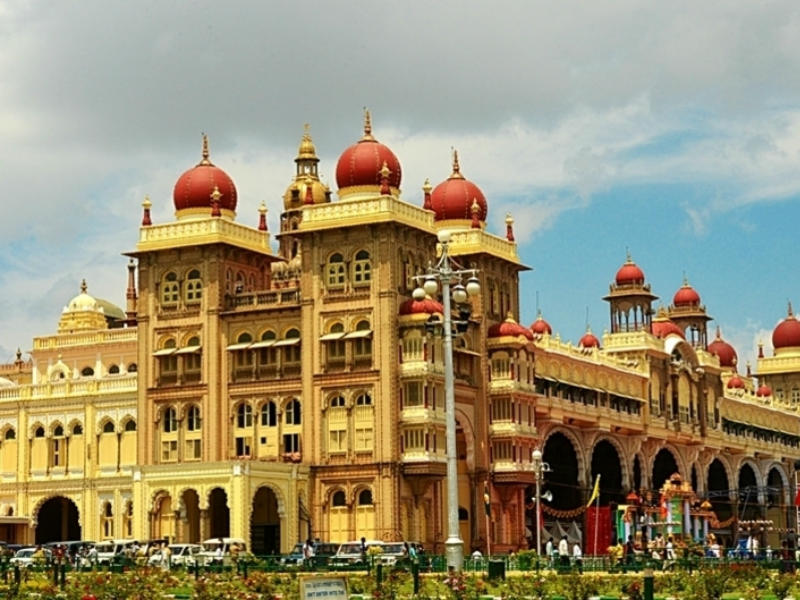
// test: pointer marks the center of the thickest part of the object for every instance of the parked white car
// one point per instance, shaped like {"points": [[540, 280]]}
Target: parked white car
{"points": [[221, 550], [350, 553], [184, 555], [24, 557]]}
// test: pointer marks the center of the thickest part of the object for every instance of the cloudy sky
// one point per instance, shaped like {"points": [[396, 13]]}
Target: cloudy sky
{"points": [[671, 129]]}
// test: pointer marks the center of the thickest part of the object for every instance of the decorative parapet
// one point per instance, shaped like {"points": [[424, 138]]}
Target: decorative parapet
{"points": [[196, 232], [749, 408], [477, 241], [774, 365], [412, 415], [377, 209], [510, 428], [631, 340], [85, 338], [117, 384]]}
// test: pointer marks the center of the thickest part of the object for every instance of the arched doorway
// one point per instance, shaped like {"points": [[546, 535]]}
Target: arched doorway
{"points": [[57, 521], [265, 525], [718, 490], [606, 463], [637, 473], [562, 480], [749, 505], [663, 467], [190, 516], [163, 518], [776, 507], [219, 514]]}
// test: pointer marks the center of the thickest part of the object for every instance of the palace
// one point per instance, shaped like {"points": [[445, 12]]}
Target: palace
{"points": [[274, 395]]}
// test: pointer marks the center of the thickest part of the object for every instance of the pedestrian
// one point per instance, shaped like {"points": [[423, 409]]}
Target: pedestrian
{"points": [[548, 551], [630, 550], [669, 554], [308, 552], [577, 557], [363, 550], [563, 552]]}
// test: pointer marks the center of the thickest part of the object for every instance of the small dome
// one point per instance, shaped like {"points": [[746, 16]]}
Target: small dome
{"points": [[787, 333], [306, 187], [83, 301], [540, 326], [763, 391], [361, 164], [194, 188], [735, 383], [426, 305], [589, 340], [686, 296], [509, 328], [630, 274], [724, 351], [661, 326], [453, 198]]}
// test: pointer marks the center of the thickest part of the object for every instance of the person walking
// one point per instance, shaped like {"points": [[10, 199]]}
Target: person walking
{"points": [[548, 551], [563, 552], [577, 557]]}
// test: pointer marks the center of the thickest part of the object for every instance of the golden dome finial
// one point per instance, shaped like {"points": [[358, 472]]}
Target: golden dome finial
{"points": [[456, 174], [509, 219], [146, 202], [84, 287], [628, 258], [205, 160], [367, 126], [306, 149], [427, 187], [262, 209], [685, 280]]}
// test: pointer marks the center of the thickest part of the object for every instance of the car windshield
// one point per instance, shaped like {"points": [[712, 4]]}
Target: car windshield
{"points": [[298, 549], [25, 553], [350, 549], [393, 549], [211, 546]]}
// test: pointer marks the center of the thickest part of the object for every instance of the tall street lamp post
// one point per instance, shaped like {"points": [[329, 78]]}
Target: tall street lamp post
{"points": [[450, 275], [539, 469]]}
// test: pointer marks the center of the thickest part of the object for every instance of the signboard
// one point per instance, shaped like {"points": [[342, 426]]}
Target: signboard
{"points": [[326, 588]]}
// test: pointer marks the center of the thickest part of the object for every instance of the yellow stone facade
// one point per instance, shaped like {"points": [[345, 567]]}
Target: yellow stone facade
{"points": [[278, 395]]}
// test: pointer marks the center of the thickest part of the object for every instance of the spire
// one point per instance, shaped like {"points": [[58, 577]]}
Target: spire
{"points": [[19, 356], [307, 150], [205, 161], [426, 189], [130, 294], [719, 334], [367, 137], [760, 349], [475, 209], [385, 172], [215, 198], [628, 258], [84, 287], [456, 174], [509, 227], [262, 217], [146, 204], [789, 312], [309, 199]]}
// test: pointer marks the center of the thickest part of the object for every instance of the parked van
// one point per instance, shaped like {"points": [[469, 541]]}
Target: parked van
{"points": [[109, 550], [221, 550], [350, 553]]}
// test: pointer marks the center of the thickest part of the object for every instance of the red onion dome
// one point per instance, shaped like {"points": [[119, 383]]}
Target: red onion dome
{"points": [[194, 188], [454, 197], [420, 304], [735, 383], [509, 328], [540, 326], [724, 351], [763, 391], [686, 296], [361, 163], [630, 274], [661, 326], [787, 333], [589, 340]]}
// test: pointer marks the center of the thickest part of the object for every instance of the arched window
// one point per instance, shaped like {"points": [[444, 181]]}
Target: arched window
{"points": [[192, 360], [130, 425], [170, 289], [193, 418], [362, 268], [335, 271], [335, 343], [244, 357], [193, 287], [365, 498], [364, 400], [339, 499], [108, 427], [337, 402], [292, 343], [269, 414], [11, 434], [58, 431], [113, 370], [77, 429], [39, 432], [107, 520], [132, 368], [293, 413], [362, 341], [244, 415], [170, 424], [267, 353], [87, 372], [167, 363]]}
